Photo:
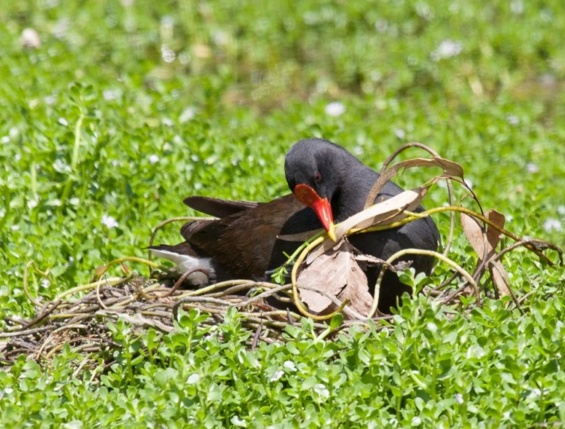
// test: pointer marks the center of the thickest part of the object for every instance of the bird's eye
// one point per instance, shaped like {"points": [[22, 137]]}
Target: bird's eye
{"points": [[317, 177]]}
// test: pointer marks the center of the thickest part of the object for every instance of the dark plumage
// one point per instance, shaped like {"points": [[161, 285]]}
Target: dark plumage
{"points": [[243, 242]]}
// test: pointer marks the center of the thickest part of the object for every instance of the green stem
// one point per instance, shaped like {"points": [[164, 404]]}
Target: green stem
{"points": [[74, 160], [76, 147], [33, 178]]}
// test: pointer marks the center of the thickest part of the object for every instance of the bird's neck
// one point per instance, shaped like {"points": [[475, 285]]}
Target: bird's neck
{"points": [[352, 192]]}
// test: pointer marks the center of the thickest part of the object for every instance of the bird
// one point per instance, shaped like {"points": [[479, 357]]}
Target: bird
{"points": [[328, 185]]}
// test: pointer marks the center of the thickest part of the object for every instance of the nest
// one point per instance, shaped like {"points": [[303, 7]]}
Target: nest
{"points": [[82, 317]]}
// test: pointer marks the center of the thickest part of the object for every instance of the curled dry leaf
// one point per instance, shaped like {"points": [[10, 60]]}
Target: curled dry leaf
{"points": [[338, 274], [385, 212], [450, 169]]}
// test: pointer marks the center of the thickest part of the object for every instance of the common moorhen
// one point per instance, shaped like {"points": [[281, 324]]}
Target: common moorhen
{"points": [[333, 185]]}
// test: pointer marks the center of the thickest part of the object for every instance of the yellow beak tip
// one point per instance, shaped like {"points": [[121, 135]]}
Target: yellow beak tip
{"points": [[331, 233]]}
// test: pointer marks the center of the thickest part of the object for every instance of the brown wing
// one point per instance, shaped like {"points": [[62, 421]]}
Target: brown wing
{"points": [[216, 207], [242, 243], [213, 207], [192, 227]]}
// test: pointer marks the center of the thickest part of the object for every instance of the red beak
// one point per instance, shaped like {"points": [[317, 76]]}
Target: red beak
{"points": [[321, 206]]}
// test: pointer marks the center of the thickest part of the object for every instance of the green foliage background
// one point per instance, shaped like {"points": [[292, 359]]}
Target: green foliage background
{"points": [[129, 106]]}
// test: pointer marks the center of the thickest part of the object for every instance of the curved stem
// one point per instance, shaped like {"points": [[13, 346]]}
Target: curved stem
{"points": [[422, 252]]}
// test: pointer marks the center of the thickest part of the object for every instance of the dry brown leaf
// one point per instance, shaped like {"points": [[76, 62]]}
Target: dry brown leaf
{"points": [[338, 274], [493, 234], [484, 245], [474, 233], [498, 273], [387, 211], [450, 169], [329, 273], [500, 277], [476, 236], [322, 249], [357, 290]]}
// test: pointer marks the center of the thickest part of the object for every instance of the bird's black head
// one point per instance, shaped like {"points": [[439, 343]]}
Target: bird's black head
{"points": [[314, 169], [313, 162]]}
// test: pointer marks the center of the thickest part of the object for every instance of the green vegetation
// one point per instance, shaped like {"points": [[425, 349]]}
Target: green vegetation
{"points": [[126, 107]]}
